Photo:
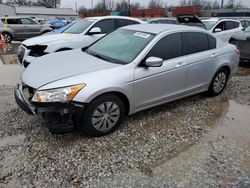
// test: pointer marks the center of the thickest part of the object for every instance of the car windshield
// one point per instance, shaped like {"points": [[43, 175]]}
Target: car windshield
{"points": [[209, 24], [122, 46], [247, 29], [79, 27]]}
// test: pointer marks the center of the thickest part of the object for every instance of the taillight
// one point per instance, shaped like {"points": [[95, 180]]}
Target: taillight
{"points": [[237, 52]]}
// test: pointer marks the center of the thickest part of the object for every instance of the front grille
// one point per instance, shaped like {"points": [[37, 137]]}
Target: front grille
{"points": [[20, 53]]}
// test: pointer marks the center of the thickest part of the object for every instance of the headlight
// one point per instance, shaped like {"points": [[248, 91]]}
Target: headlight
{"points": [[58, 95]]}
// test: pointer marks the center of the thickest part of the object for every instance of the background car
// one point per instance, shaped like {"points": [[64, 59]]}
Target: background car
{"points": [[56, 23], [62, 29], [242, 41], [223, 28], [79, 35], [183, 19], [163, 21], [20, 28], [131, 69]]}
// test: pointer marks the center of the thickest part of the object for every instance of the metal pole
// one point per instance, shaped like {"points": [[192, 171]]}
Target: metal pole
{"points": [[222, 3], [128, 7]]}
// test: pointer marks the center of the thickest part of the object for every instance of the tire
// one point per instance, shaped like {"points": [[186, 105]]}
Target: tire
{"points": [[102, 116], [8, 37], [218, 82]]}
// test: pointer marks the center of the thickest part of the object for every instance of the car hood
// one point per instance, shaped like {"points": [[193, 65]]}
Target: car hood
{"points": [[61, 65], [241, 35], [46, 39]]}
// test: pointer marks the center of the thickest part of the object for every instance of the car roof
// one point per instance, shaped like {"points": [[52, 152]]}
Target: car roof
{"points": [[158, 28], [14, 17], [115, 17], [216, 19]]}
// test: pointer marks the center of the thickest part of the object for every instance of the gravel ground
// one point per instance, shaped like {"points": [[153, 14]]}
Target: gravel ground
{"points": [[142, 153]]}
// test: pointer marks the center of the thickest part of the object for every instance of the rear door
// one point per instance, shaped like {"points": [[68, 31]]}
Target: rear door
{"points": [[200, 54], [31, 28]]}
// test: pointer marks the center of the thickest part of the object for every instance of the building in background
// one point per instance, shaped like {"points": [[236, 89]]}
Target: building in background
{"points": [[35, 11]]}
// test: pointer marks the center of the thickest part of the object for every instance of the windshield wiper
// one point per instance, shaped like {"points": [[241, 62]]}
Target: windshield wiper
{"points": [[99, 56]]}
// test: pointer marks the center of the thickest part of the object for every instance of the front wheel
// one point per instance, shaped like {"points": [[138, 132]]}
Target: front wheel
{"points": [[219, 82], [7, 37], [102, 116]]}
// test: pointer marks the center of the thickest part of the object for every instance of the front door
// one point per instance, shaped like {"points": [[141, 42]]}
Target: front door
{"points": [[154, 85]]}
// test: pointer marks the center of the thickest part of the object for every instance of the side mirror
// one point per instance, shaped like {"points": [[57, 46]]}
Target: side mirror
{"points": [[153, 62], [217, 30], [94, 31]]}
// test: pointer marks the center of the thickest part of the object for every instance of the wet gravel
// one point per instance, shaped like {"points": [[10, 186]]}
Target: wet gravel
{"points": [[31, 155]]}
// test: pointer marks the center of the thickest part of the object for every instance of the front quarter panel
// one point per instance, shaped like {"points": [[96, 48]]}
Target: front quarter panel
{"points": [[118, 79]]}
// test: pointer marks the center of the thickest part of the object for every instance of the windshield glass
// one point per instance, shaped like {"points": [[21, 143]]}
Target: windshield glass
{"points": [[122, 46], [79, 26], [209, 24], [247, 29]]}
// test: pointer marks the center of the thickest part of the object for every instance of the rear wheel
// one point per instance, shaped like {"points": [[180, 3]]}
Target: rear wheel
{"points": [[102, 116], [219, 82]]}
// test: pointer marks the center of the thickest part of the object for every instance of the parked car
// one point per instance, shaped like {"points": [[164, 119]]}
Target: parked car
{"points": [[131, 69], [163, 21], [20, 28], [183, 19], [62, 29], [79, 35], [56, 23], [223, 28], [242, 41]]}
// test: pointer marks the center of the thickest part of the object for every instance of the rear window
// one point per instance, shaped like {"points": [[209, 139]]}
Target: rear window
{"points": [[195, 42]]}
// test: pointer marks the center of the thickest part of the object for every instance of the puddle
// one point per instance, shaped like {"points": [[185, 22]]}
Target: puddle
{"points": [[236, 125]]}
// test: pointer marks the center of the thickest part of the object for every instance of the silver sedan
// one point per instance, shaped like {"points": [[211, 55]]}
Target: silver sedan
{"points": [[131, 69]]}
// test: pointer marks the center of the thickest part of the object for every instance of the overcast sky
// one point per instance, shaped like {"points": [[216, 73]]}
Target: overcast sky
{"points": [[87, 3]]}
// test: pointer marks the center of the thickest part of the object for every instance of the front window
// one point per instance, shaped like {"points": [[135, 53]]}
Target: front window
{"points": [[79, 27], [209, 24], [122, 46]]}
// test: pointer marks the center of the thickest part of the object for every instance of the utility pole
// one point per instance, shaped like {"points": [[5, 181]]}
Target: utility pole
{"points": [[76, 7], [129, 8], [222, 4]]}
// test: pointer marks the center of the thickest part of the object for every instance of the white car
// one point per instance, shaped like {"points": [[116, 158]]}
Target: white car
{"points": [[79, 35], [223, 28]]}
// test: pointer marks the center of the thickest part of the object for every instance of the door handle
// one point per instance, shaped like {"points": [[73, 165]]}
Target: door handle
{"points": [[214, 54], [180, 64]]}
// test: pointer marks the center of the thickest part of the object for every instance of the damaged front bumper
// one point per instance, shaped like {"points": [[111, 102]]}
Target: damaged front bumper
{"points": [[58, 115]]}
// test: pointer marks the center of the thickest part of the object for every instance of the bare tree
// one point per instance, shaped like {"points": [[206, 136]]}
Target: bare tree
{"points": [[49, 3], [100, 7], [155, 4], [122, 6], [135, 5], [18, 2], [215, 5]]}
